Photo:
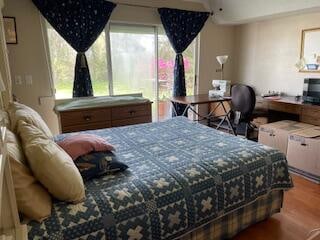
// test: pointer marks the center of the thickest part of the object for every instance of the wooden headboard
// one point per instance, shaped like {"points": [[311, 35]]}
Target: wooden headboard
{"points": [[10, 226]]}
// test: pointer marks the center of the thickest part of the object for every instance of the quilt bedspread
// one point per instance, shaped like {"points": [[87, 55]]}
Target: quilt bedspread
{"points": [[181, 175]]}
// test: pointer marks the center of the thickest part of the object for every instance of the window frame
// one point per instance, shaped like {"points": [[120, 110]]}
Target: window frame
{"points": [[44, 32], [43, 23]]}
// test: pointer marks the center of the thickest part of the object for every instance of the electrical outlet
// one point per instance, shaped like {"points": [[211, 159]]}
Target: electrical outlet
{"points": [[18, 80], [28, 79]]}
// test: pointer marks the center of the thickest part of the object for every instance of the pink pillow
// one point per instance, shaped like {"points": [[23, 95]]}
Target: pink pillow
{"points": [[82, 144]]}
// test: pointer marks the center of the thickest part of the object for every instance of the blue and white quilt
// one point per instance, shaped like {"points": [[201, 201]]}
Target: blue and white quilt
{"points": [[181, 175]]}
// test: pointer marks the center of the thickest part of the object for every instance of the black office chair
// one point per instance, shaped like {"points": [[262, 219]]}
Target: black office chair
{"points": [[243, 101]]}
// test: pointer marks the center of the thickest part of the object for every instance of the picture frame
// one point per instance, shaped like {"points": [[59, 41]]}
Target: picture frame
{"points": [[10, 29], [310, 50]]}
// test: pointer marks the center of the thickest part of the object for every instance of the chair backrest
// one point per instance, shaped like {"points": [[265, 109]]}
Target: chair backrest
{"points": [[243, 100]]}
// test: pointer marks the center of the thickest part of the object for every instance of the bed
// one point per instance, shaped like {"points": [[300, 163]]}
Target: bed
{"points": [[185, 180]]}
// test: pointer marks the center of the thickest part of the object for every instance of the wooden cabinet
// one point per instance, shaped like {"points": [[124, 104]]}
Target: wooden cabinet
{"points": [[129, 112], [285, 107], [104, 117], [132, 114], [85, 116], [310, 114]]}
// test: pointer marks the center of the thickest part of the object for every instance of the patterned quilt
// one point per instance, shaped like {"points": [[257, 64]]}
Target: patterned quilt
{"points": [[182, 175]]}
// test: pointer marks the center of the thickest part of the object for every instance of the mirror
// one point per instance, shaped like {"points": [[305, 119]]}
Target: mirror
{"points": [[310, 50]]}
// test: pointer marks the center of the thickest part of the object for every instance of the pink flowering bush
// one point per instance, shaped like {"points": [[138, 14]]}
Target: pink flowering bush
{"points": [[168, 65]]}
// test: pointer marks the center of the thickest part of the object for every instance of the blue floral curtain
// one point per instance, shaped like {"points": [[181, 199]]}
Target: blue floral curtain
{"points": [[80, 23], [181, 27]]}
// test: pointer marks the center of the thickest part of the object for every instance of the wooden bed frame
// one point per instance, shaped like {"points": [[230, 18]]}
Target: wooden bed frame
{"points": [[10, 226]]}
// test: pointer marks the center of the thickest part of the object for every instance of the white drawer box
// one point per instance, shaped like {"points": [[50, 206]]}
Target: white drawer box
{"points": [[276, 134], [304, 153]]}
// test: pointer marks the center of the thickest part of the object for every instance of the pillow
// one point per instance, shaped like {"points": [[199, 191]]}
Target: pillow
{"points": [[19, 112], [82, 144], [32, 199], [52, 166], [4, 119], [99, 163]]}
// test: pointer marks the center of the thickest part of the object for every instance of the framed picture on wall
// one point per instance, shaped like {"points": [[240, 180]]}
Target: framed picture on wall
{"points": [[310, 50], [10, 29]]}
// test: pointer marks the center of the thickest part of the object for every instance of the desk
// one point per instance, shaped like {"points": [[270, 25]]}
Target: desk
{"points": [[192, 101], [306, 112]]}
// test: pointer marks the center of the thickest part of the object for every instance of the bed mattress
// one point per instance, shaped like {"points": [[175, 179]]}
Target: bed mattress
{"points": [[181, 175]]}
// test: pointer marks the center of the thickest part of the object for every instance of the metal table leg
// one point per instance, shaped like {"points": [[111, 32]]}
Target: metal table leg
{"points": [[175, 110], [228, 119], [186, 110]]}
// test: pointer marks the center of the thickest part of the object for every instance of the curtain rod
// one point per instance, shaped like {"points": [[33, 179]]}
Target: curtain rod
{"points": [[143, 6], [134, 5]]}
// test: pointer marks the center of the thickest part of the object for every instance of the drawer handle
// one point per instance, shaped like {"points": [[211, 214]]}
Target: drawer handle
{"points": [[87, 118], [304, 144], [132, 112]]}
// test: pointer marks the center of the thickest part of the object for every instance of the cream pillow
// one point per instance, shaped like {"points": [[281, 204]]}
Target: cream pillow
{"points": [[4, 119], [51, 165], [19, 112], [32, 199]]}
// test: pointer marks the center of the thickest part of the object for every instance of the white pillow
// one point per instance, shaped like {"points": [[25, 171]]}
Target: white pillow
{"points": [[19, 112], [51, 165], [33, 199]]}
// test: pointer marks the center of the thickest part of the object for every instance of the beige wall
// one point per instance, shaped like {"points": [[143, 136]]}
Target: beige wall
{"points": [[215, 40], [29, 57], [267, 52]]}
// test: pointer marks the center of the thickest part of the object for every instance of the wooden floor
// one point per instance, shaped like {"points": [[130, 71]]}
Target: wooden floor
{"points": [[300, 215]]}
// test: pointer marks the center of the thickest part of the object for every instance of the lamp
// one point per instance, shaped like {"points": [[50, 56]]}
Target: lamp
{"points": [[222, 60], [221, 88]]}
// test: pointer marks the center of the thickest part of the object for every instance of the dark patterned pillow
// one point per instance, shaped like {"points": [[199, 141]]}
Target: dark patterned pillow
{"points": [[96, 164]]}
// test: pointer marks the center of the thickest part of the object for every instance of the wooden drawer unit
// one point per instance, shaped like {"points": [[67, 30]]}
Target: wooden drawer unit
{"points": [[285, 107], [310, 114], [87, 116], [104, 117], [84, 127], [130, 111], [131, 121]]}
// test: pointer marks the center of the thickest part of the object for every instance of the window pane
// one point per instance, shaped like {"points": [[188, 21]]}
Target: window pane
{"points": [[166, 72], [63, 58], [97, 61], [133, 60]]}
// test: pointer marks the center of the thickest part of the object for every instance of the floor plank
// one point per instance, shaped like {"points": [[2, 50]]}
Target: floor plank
{"points": [[300, 215]]}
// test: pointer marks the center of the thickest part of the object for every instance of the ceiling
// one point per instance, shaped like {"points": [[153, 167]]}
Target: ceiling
{"points": [[244, 11]]}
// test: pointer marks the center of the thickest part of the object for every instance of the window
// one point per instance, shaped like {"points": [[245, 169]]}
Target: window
{"points": [[166, 63], [133, 60], [63, 58], [141, 61]]}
